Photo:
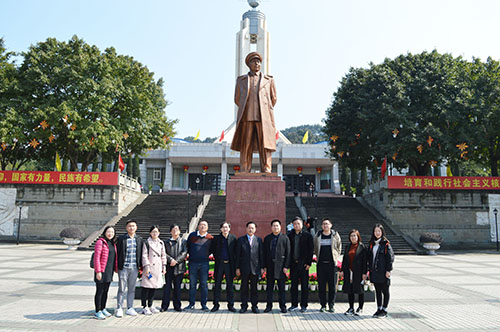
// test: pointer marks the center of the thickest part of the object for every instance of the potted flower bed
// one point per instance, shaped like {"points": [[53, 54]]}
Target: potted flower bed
{"points": [[211, 280], [431, 242], [71, 237], [313, 281]]}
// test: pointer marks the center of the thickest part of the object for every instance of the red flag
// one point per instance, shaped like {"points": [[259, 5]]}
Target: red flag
{"points": [[383, 170], [221, 136], [277, 135], [121, 164]]}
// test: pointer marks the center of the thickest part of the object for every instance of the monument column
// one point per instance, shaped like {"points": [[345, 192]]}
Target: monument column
{"points": [[279, 150]]}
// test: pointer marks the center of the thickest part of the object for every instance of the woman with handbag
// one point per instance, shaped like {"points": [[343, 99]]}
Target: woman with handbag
{"points": [[105, 263]]}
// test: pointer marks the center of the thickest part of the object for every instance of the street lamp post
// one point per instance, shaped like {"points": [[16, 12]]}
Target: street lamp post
{"points": [[188, 208], [316, 204], [204, 183], [300, 181], [197, 184], [19, 222], [495, 212]]}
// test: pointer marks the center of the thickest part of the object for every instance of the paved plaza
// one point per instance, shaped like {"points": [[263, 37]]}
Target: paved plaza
{"points": [[48, 288]]}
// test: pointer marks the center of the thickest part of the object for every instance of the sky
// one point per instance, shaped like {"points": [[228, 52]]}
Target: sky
{"points": [[191, 44]]}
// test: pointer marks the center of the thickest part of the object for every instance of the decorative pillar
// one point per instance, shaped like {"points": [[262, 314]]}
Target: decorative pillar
{"points": [[335, 178], [223, 167]]}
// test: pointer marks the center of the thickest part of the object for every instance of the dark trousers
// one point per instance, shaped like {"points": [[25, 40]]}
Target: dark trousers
{"points": [[298, 273], [327, 274], [382, 289], [101, 295], [147, 294], [270, 288], [175, 280], [224, 270], [361, 299], [253, 278]]}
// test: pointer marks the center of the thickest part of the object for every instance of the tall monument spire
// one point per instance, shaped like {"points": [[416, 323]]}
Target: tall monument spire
{"points": [[253, 37]]}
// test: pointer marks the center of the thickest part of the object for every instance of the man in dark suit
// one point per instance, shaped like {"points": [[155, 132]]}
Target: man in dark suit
{"points": [[249, 265], [301, 255], [224, 250], [277, 258]]}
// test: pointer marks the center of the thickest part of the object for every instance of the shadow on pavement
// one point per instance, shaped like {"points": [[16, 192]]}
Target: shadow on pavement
{"points": [[60, 316]]}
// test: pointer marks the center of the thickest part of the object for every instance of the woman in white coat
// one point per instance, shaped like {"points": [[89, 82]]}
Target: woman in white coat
{"points": [[154, 262]]}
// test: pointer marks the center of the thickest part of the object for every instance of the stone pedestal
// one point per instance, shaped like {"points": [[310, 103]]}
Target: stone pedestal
{"points": [[257, 197]]}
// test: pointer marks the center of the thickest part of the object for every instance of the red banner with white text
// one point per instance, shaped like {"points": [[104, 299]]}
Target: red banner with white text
{"points": [[72, 178], [443, 182]]}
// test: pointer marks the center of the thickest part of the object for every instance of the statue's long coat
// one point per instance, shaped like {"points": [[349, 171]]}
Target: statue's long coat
{"points": [[267, 100]]}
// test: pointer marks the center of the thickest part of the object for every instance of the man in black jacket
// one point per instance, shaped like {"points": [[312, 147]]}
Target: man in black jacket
{"points": [[176, 250], [129, 253], [224, 251], [301, 254], [249, 265], [277, 260]]}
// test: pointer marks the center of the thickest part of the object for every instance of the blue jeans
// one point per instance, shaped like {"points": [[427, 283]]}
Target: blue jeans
{"points": [[198, 271]]}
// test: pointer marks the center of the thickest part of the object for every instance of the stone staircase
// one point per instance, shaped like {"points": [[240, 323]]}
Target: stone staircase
{"points": [[347, 213], [215, 213], [162, 210], [291, 210]]}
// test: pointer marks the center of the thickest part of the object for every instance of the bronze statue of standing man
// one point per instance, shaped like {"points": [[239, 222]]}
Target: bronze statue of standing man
{"points": [[255, 96]]}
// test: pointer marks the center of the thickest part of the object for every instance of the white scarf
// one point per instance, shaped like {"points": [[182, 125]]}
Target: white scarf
{"points": [[375, 249]]}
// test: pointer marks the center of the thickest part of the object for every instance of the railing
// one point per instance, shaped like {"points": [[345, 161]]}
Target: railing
{"points": [[129, 183], [375, 187]]}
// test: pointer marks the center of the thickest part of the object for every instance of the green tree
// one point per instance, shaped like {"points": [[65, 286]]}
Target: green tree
{"points": [[93, 103], [295, 134], [409, 109], [484, 113], [14, 140], [206, 140]]}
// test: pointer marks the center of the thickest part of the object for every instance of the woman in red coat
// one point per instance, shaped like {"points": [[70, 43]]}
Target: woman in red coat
{"points": [[105, 263]]}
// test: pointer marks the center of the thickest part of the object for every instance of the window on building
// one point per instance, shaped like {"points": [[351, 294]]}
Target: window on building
{"points": [[298, 183], [325, 180], [178, 178]]}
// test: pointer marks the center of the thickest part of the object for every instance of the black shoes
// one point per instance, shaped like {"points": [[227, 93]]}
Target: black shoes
{"points": [[381, 313], [283, 310], [215, 308], [230, 308], [268, 309], [255, 310], [243, 310]]}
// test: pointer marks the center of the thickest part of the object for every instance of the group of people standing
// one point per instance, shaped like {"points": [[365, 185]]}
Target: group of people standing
{"points": [[163, 264]]}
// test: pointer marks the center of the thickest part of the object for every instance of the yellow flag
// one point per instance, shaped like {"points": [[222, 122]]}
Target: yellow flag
{"points": [[197, 136], [448, 171], [58, 162], [306, 137]]}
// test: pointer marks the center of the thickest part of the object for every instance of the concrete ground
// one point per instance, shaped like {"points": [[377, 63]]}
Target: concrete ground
{"points": [[48, 288]]}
